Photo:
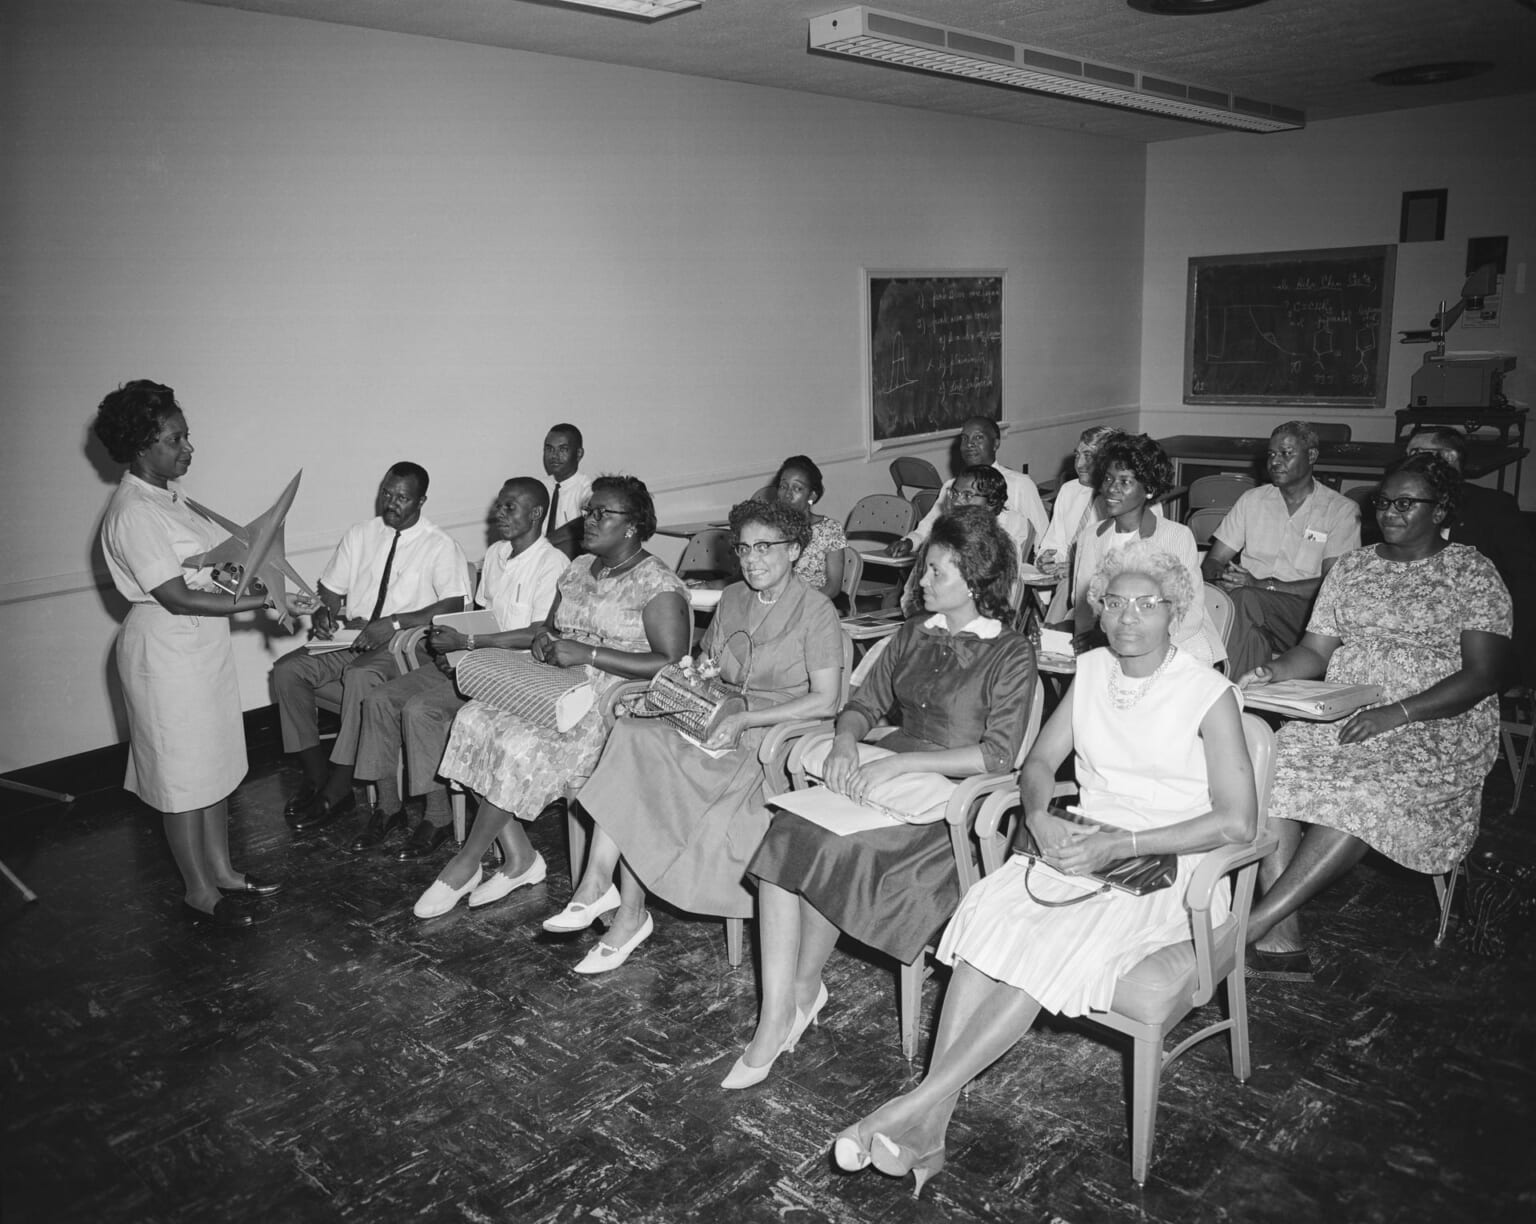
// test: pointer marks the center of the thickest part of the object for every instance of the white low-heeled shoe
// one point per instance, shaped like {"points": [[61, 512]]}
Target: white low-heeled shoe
{"points": [[498, 884], [605, 956], [440, 897], [576, 917]]}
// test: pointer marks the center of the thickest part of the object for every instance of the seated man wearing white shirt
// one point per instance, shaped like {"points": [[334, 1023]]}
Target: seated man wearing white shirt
{"points": [[414, 712], [1288, 534], [568, 488], [979, 437], [394, 572]]}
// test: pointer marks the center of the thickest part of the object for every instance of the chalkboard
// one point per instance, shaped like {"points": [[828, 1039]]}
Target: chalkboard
{"points": [[935, 352], [1297, 328]]}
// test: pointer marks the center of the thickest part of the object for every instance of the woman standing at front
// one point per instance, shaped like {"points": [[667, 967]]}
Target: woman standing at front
{"points": [[186, 738]]}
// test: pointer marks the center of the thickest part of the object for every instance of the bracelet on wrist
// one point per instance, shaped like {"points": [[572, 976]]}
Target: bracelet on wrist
{"points": [[1407, 717], [1134, 851], [469, 641], [593, 659]]}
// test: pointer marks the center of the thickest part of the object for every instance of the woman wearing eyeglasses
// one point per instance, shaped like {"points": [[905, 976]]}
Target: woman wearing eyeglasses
{"points": [[1429, 621], [619, 614], [1162, 769], [681, 822], [1130, 472]]}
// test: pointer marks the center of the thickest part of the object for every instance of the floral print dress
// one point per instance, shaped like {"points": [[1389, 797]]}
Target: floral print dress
{"points": [[1413, 793]]}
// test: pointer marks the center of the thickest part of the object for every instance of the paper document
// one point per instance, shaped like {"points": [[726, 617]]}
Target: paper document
{"points": [[342, 639]]}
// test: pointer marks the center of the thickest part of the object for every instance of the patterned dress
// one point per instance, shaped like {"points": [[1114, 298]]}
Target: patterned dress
{"points": [[826, 536], [687, 822], [521, 767], [1414, 793]]}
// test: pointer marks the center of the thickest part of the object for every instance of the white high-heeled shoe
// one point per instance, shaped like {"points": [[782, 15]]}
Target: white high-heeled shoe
{"points": [[498, 884], [576, 917], [440, 897], [744, 1075]]}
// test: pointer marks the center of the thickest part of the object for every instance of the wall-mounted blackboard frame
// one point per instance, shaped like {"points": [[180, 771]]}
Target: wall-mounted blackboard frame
{"points": [[933, 352], [1294, 328]]}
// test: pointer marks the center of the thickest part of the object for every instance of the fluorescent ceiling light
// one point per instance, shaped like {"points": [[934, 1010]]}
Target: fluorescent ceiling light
{"points": [[873, 34], [650, 10]]}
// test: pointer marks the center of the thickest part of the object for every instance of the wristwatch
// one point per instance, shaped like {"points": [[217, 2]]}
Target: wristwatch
{"points": [[394, 623]]}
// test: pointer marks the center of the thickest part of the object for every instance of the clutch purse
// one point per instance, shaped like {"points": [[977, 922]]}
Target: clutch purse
{"points": [[511, 680], [1143, 874]]}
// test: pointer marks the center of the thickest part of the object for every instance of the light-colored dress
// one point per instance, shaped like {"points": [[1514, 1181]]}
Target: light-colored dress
{"points": [[685, 821], [1141, 768], [826, 536], [893, 888], [1414, 793], [521, 767], [186, 737]]}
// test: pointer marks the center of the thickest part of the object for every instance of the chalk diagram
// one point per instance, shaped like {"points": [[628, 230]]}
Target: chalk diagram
{"points": [[1303, 342]]}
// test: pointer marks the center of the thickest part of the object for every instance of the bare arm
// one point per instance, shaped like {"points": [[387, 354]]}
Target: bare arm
{"points": [[1307, 660], [174, 595], [1216, 559], [668, 627], [1485, 658]]}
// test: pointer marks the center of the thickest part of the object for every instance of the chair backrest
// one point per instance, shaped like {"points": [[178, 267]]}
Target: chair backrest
{"points": [[911, 472], [1204, 521], [1218, 611], [853, 573], [708, 553], [922, 502], [1332, 431], [1222, 489], [880, 516]]}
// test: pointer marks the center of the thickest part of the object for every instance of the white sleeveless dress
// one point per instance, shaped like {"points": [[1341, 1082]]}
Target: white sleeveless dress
{"points": [[1141, 768]]}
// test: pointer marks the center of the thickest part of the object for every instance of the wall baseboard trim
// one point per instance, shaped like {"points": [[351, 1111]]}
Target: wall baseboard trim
{"points": [[102, 769]]}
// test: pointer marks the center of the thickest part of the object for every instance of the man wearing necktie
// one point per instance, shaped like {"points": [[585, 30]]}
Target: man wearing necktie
{"points": [[568, 488], [401, 570]]}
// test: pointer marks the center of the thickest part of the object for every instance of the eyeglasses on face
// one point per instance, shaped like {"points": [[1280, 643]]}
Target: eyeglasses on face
{"points": [[1403, 505], [1144, 604], [596, 514], [760, 549]]}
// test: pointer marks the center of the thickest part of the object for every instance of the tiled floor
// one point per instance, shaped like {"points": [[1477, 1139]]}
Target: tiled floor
{"points": [[346, 1062]]}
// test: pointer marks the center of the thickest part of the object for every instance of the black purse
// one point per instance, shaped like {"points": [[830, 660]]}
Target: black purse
{"points": [[1145, 873]]}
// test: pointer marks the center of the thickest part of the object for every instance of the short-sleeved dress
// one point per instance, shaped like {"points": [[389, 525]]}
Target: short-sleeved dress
{"points": [[893, 888], [826, 537], [521, 767], [1141, 768], [1414, 793], [186, 737], [685, 821]]}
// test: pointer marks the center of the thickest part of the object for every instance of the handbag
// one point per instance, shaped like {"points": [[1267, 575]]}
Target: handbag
{"points": [[1145, 873], [694, 700], [511, 680]]}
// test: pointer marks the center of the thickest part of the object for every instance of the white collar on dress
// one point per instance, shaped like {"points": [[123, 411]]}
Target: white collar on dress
{"points": [[984, 627]]}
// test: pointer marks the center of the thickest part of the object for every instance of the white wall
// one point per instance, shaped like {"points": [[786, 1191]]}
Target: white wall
{"points": [[344, 247], [1340, 184]]}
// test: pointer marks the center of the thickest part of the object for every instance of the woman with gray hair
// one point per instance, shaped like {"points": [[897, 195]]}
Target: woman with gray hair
{"points": [[1161, 762]]}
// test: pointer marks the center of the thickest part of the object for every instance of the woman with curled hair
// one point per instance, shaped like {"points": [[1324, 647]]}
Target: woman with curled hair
{"points": [[1429, 621], [800, 487], [619, 614], [979, 485], [682, 823], [1129, 474], [1162, 768], [957, 685], [186, 736]]}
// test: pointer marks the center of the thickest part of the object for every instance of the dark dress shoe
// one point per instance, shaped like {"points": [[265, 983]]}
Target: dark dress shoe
{"points": [[254, 887], [322, 811], [380, 828], [228, 915], [425, 839], [300, 801]]}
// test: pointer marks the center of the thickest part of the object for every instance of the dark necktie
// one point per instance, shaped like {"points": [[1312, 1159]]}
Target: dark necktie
{"points": [[389, 561], [554, 505]]}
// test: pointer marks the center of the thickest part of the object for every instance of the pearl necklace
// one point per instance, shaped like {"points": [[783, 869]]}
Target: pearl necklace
{"points": [[1123, 696]]}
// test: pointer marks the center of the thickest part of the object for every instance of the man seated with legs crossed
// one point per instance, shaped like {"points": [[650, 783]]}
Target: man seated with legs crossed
{"points": [[414, 712], [394, 572], [1287, 535]]}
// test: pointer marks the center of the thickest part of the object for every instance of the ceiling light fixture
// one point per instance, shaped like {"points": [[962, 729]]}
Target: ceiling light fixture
{"points": [[889, 38], [646, 10], [1189, 8], [1432, 74]]}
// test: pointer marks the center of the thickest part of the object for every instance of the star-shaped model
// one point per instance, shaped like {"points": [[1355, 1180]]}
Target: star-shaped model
{"points": [[257, 551]]}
